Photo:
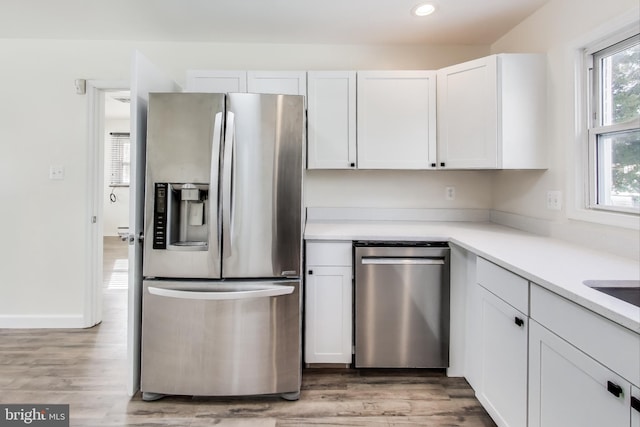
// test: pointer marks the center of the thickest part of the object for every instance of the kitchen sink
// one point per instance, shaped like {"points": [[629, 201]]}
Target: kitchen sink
{"points": [[625, 290]]}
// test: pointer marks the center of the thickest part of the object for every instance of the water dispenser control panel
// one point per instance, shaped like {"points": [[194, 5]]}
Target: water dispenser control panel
{"points": [[160, 217]]}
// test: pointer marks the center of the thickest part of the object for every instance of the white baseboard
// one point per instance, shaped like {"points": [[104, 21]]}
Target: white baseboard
{"points": [[41, 322]]}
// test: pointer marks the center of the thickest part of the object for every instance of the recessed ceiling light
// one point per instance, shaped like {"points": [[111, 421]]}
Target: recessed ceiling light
{"points": [[423, 9]]}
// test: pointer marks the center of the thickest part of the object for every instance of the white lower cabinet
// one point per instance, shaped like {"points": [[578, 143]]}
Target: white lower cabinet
{"points": [[635, 406], [328, 303], [503, 361], [568, 388], [499, 343]]}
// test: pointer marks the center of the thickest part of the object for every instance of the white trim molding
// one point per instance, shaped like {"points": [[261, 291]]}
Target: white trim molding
{"points": [[95, 179]]}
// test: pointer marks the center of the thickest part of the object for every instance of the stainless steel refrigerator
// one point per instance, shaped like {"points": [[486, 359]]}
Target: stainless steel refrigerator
{"points": [[221, 313]]}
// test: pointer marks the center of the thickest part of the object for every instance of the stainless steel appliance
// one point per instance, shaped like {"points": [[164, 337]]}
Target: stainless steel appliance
{"points": [[223, 232], [401, 305]]}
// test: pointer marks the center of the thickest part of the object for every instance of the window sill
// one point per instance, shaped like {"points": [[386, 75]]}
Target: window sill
{"points": [[615, 219]]}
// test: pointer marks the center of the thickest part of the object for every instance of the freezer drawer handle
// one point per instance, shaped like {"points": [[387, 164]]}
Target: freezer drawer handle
{"points": [[259, 292], [402, 261]]}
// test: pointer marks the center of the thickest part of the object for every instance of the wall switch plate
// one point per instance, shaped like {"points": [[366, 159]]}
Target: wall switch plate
{"points": [[56, 172], [554, 200], [450, 193]]}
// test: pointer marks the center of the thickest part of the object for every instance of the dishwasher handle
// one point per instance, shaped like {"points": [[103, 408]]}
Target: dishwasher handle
{"points": [[401, 261], [257, 292]]}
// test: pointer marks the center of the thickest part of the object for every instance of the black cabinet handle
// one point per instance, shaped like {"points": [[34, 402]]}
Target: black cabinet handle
{"points": [[519, 321], [433, 165], [442, 164], [635, 403], [353, 165], [310, 272], [614, 389]]}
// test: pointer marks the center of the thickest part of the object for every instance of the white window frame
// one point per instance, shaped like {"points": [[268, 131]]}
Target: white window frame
{"points": [[578, 207], [594, 120]]}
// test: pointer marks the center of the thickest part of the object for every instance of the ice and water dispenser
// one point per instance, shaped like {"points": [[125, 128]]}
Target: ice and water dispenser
{"points": [[179, 217]]}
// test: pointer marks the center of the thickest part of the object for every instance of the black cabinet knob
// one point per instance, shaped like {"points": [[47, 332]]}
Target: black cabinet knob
{"points": [[433, 165], [310, 272], [353, 165], [519, 321], [635, 403], [614, 389], [442, 164]]}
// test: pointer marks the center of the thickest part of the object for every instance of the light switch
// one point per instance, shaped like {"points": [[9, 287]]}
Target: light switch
{"points": [[56, 172]]}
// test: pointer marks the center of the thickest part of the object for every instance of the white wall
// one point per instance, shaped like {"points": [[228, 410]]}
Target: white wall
{"points": [[114, 214], [557, 29], [397, 189], [43, 121]]}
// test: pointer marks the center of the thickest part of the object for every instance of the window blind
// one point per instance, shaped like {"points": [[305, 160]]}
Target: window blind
{"points": [[120, 159]]}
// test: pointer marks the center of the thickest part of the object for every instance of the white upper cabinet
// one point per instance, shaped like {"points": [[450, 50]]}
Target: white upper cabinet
{"points": [[214, 81], [331, 122], [491, 113], [277, 82], [223, 81], [396, 121]]}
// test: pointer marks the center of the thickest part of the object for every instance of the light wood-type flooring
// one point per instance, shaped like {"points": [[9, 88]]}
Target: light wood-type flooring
{"points": [[87, 369]]}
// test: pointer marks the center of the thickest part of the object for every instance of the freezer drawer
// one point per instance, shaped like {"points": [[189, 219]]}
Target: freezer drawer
{"points": [[221, 339], [401, 307]]}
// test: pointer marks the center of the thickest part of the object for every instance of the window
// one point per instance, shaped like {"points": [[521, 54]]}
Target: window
{"points": [[614, 130], [120, 160]]}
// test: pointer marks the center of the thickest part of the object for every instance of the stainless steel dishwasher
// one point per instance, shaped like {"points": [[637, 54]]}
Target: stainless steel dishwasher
{"points": [[401, 305]]}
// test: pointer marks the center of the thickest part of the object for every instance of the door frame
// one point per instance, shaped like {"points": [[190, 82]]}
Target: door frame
{"points": [[95, 186]]}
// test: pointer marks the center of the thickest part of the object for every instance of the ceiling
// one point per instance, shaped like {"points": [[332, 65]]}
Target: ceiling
{"points": [[264, 21], [117, 105]]}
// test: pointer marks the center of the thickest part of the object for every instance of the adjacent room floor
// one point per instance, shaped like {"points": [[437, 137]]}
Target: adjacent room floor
{"points": [[87, 369]]}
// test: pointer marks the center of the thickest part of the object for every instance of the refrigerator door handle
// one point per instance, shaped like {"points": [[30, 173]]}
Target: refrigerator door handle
{"points": [[227, 178], [214, 218], [258, 291]]}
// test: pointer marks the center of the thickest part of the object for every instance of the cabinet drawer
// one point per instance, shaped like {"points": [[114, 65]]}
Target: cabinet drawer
{"points": [[510, 287], [329, 254], [614, 346]]}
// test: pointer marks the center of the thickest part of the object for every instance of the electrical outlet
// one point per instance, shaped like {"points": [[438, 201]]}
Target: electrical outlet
{"points": [[554, 200], [450, 193], [56, 172]]}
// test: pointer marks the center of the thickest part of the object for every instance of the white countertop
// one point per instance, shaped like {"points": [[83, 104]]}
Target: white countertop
{"points": [[554, 264]]}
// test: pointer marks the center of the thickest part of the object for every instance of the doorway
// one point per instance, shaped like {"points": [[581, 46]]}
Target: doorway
{"points": [[109, 116], [115, 211]]}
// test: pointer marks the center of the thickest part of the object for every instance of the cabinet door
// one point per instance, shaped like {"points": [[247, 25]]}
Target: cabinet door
{"points": [[277, 82], [332, 119], [328, 319], [213, 81], [468, 115], [396, 119], [503, 383], [568, 388], [635, 406]]}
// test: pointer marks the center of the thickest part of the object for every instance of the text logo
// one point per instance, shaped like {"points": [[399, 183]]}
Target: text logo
{"points": [[34, 415]]}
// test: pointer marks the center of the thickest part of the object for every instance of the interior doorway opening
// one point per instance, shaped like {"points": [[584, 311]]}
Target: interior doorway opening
{"points": [[116, 200], [107, 251]]}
